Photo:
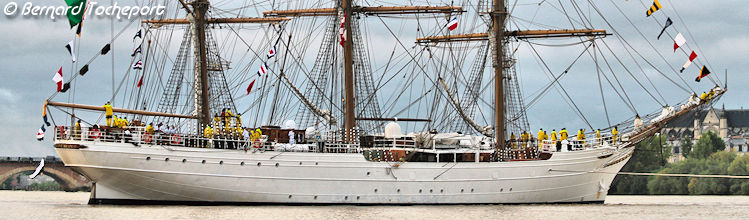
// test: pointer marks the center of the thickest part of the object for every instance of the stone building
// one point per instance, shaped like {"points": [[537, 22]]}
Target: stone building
{"points": [[730, 125]]}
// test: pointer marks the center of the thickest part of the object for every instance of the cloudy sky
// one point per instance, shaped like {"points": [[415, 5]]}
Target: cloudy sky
{"points": [[33, 49]]}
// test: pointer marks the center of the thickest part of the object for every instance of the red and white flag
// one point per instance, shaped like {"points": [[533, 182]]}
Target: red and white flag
{"points": [[453, 24], [342, 31], [678, 41], [689, 62], [58, 79], [138, 65], [249, 88], [272, 52], [263, 70], [40, 133]]}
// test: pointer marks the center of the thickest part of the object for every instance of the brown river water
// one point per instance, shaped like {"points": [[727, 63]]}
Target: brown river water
{"points": [[65, 205]]}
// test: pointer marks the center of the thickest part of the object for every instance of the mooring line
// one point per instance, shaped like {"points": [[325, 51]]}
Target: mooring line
{"points": [[659, 174]]}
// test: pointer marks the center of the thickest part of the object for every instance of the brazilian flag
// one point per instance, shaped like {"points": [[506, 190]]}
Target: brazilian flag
{"points": [[76, 10]]}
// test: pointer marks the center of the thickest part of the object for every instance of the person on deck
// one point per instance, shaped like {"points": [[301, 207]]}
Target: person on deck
{"points": [[581, 136], [541, 135], [150, 129], [115, 121], [125, 123], [77, 130], [703, 97], [108, 113], [598, 136], [614, 134], [563, 135]]}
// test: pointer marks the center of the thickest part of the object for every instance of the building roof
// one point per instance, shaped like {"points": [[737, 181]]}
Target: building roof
{"points": [[737, 118]]}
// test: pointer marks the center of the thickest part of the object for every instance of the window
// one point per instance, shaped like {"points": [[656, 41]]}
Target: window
{"points": [[676, 150]]}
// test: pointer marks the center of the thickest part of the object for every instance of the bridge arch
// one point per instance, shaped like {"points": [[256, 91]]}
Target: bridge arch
{"points": [[67, 181]]}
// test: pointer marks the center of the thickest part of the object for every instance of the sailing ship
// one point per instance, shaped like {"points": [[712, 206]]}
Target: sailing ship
{"points": [[345, 143]]}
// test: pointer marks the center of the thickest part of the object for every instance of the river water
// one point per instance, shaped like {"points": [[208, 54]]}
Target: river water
{"points": [[65, 205]]}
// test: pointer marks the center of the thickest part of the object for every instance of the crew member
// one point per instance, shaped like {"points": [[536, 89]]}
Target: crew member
{"points": [[541, 135], [614, 134], [77, 129], [703, 96], [598, 136], [108, 113], [581, 136], [149, 128], [563, 134]]}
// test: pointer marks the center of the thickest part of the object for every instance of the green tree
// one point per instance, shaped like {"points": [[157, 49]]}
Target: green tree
{"points": [[707, 144], [650, 155], [686, 146]]}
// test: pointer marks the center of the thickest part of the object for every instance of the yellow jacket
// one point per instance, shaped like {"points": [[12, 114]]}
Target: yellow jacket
{"points": [[541, 135], [598, 133], [108, 110], [580, 135], [563, 134], [208, 132], [614, 132], [553, 136], [149, 129]]}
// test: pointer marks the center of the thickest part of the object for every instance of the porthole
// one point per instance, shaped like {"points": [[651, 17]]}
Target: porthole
{"points": [[289, 196], [462, 190], [315, 197], [358, 197], [258, 164], [510, 189], [203, 162], [316, 163], [276, 164], [221, 162], [148, 158], [166, 159], [368, 173], [184, 160], [345, 198], [375, 190], [500, 190], [471, 190], [300, 163], [242, 163], [399, 190], [431, 191], [442, 190], [419, 190]]}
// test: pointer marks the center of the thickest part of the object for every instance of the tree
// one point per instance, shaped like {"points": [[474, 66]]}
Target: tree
{"points": [[707, 144], [686, 146], [649, 156]]}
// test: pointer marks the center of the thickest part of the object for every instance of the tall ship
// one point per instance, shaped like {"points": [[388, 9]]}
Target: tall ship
{"points": [[354, 102]]}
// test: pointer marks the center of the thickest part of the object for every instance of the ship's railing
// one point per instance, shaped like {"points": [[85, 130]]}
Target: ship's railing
{"points": [[137, 136], [573, 144]]}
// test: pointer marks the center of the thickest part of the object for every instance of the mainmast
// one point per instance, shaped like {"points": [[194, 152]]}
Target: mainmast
{"points": [[348, 59], [198, 22], [499, 14]]}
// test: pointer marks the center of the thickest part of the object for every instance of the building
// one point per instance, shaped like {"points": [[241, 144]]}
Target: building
{"points": [[730, 125]]}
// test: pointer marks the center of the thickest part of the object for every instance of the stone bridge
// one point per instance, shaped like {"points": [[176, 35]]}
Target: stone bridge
{"points": [[69, 179]]}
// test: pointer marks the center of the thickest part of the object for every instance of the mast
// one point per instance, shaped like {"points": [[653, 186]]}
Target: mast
{"points": [[202, 95], [499, 100], [348, 59]]}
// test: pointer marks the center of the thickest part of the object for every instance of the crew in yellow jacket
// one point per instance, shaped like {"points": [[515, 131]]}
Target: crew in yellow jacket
{"points": [[108, 113], [581, 136], [563, 134], [541, 135], [614, 134]]}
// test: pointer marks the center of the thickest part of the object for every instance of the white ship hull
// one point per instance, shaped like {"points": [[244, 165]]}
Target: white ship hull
{"points": [[123, 173]]}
